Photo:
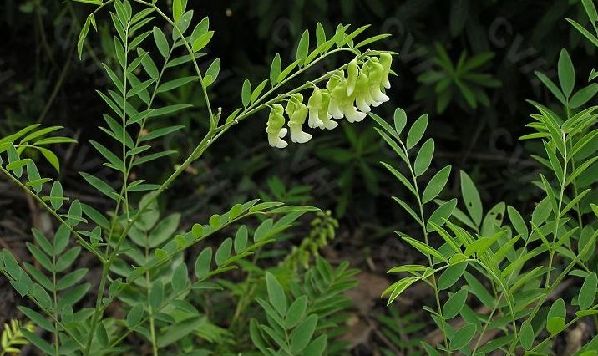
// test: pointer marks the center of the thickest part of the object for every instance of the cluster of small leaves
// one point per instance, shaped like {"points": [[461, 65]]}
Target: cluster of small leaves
{"points": [[53, 289], [323, 230], [31, 138], [12, 339], [307, 323], [515, 290], [403, 330], [463, 82]]}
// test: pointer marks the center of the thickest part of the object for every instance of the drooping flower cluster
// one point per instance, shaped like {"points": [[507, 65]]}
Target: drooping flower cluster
{"points": [[350, 96]]}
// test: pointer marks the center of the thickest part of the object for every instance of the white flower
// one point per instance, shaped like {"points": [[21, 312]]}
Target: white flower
{"points": [[351, 97], [363, 100], [325, 117], [274, 127], [314, 104], [297, 112]]}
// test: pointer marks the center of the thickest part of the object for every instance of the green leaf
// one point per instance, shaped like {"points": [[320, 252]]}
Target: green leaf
{"points": [[61, 239], [178, 8], [50, 157], [527, 335], [587, 293], [134, 315], [113, 161], [42, 241], [202, 263], [167, 110], [451, 275], [316, 347], [555, 320], [583, 96], [156, 295], [84, 31], [423, 248], [175, 83], [241, 239], [454, 303], [424, 157], [518, 222], [302, 47], [463, 336], [100, 185], [258, 90], [212, 72], [296, 312], [399, 120], [223, 252], [441, 214], [161, 42], [246, 93], [372, 39], [148, 65], [276, 294], [34, 180], [302, 334], [37, 318], [38, 341], [436, 184], [74, 214], [164, 230], [180, 278], [479, 290], [73, 295], [202, 41], [552, 87], [71, 278], [275, 69], [471, 197], [566, 73], [417, 130]]}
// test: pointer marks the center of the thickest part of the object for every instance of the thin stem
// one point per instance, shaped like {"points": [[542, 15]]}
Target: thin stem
{"points": [[204, 89], [106, 268], [55, 300], [422, 218], [558, 213], [152, 323]]}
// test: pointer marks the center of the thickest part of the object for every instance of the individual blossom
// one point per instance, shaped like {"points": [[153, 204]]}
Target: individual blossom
{"points": [[386, 61], [337, 90], [363, 99], [376, 75], [314, 105], [297, 112], [275, 127], [323, 114], [341, 102]]}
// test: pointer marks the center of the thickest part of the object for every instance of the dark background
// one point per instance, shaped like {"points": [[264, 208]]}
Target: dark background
{"points": [[43, 81]]}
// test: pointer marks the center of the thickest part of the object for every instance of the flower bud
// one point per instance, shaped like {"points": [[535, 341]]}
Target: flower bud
{"points": [[352, 71], [386, 62]]}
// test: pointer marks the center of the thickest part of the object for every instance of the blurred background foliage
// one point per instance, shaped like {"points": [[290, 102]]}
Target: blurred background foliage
{"points": [[456, 58], [469, 63]]}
